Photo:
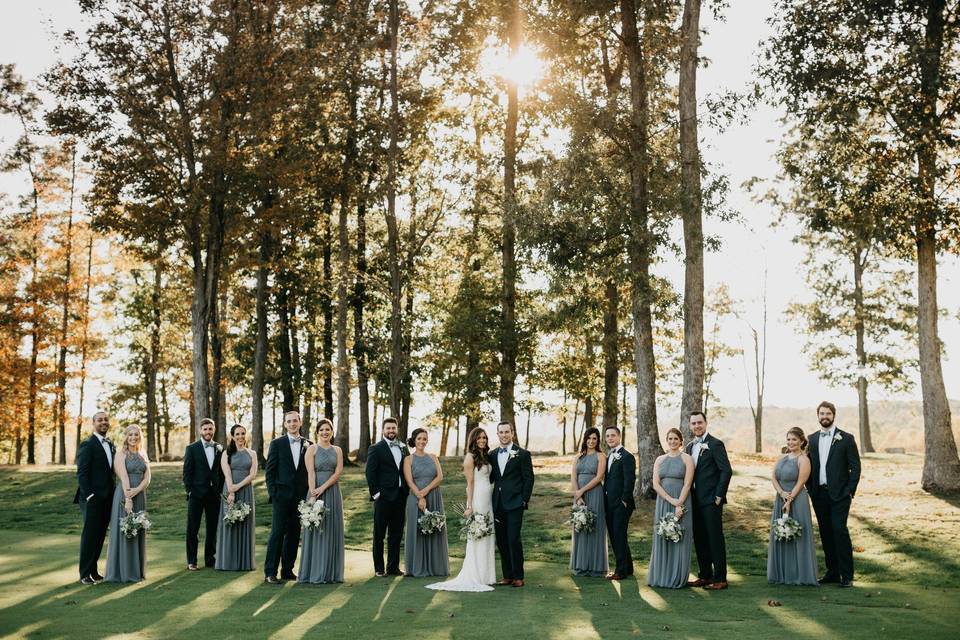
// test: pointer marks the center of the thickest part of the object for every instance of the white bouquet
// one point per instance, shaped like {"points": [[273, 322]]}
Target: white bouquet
{"points": [[786, 528], [475, 526], [133, 523], [669, 527], [582, 519], [237, 512], [311, 514], [431, 522]]}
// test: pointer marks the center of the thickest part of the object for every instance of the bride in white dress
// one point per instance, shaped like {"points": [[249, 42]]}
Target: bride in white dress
{"points": [[478, 571]]}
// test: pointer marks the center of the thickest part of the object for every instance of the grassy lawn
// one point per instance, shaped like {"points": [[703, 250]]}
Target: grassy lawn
{"points": [[908, 575]]}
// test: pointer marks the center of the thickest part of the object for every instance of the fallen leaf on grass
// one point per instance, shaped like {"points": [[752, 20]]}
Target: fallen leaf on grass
{"points": [[859, 549], [774, 603]]}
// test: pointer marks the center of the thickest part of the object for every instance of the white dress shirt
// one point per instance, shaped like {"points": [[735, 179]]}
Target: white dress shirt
{"points": [[502, 457], [697, 446], [106, 449], [209, 452], [610, 457], [823, 446], [295, 445]]}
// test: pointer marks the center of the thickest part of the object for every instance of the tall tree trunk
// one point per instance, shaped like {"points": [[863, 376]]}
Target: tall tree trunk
{"points": [[941, 466], [611, 370], [526, 440], [283, 344], [691, 202], [64, 319], [859, 264], [199, 321], [640, 252], [218, 391], [343, 266], [508, 337], [359, 337], [623, 412], [406, 386], [326, 304], [153, 359], [260, 348], [167, 423], [309, 372], [563, 441], [397, 364], [84, 343], [573, 428], [470, 282]]}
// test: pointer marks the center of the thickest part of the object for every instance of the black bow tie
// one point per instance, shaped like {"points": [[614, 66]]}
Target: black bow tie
{"points": [[209, 445], [394, 444]]}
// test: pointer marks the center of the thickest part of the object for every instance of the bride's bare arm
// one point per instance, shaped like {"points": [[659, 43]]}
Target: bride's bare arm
{"points": [[468, 474]]}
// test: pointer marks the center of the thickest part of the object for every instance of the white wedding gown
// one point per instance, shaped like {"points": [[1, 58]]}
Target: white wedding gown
{"points": [[478, 571]]}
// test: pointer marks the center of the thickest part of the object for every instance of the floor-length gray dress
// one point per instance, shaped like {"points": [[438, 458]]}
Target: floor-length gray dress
{"points": [[670, 561], [322, 556], [236, 543], [425, 555], [588, 552], [126, 557], [793, 562]]}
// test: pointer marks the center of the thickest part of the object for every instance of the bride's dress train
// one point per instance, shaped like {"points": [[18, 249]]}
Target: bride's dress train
{"points": [[478, 571]]}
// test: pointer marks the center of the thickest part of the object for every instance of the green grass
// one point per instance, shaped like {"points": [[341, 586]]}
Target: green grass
{"points": [[908, 577]]}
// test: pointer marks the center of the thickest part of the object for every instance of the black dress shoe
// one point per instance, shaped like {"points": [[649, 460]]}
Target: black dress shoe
{"points": [[381, 574], [846, 582], [395, 572], [97, 577], [828, 579], [289, 576], [87, 580], [273, 580]]}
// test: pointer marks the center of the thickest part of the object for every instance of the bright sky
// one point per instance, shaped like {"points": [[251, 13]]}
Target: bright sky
{"points": [[742, 152]]}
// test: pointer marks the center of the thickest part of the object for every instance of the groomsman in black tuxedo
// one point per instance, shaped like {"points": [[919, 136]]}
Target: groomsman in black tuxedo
{"points": [[286, 476], [203, 481], [94, 494], [834, 475], [512, 477], [712, 473], [618, 493], [388, 492]]}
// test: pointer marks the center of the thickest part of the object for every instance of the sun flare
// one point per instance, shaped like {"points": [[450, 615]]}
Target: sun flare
{"points": [[524, 69]]}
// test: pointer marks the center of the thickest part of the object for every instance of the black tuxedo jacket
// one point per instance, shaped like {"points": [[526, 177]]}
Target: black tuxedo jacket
{"points": [[383, 475], [94, 473], [619, 480], [513, 488], [843, 466], [199, 480], [713, 472], [284, 481]]}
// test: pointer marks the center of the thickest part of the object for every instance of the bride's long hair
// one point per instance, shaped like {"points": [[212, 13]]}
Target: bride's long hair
{"points": [[480, 456]]}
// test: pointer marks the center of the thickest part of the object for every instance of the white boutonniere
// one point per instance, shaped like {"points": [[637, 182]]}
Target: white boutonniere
{"points": [[704, 447], [219, 448], [615, 456], [837, 437], [512, 453]]}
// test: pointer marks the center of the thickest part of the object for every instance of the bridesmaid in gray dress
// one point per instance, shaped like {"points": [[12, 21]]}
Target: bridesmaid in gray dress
{"points": [[672, 480], [588, 552], [126, 558], [793, 562], [425, 555], [322, 558], [236, 542]]}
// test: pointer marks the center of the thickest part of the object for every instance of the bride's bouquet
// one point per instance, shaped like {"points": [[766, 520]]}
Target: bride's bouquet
{"points": [[786, 528], [133, 523], [669, 527], [431, 522], [582, 519], [237, 512], [475, 526], [311, 514]]}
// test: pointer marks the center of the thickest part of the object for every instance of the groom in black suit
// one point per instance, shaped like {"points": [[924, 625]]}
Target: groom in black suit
{"points": [[512, 477], [711, 477], [834, 475], [619, 503], [286, 476], [203, 481], [94, 494], [388, 492]]}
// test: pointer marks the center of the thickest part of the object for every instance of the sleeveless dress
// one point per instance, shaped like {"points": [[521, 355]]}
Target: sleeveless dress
{"points": [[126, 557], [479, 569], [670, 561], [588, 552], [793, 562], [236, 542], [322, 557], [425, 555]]}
